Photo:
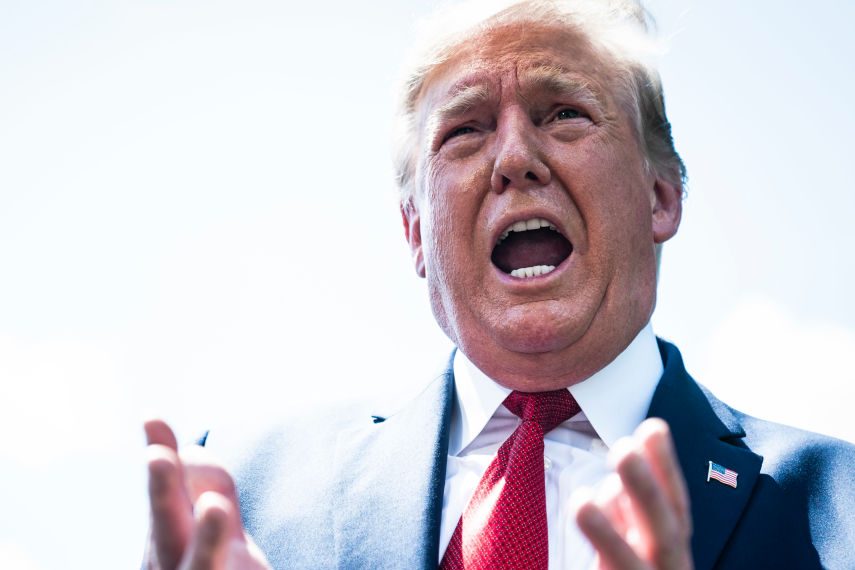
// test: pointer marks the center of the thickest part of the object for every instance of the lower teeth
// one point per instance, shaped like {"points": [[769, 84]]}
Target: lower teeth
{"points": [[526, 272]]}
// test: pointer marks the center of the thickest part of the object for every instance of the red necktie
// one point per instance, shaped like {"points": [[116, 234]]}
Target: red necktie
{"points": [[504, 524]]}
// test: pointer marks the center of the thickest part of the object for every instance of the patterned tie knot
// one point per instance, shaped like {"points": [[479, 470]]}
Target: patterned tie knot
{"points": [[546, 408]]}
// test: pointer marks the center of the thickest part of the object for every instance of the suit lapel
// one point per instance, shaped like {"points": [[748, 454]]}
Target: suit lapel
{"points": [[705, 430], [392, 477]]}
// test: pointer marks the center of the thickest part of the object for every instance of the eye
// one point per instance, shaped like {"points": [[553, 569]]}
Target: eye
{"points": [[459, 131], [567, 113]]}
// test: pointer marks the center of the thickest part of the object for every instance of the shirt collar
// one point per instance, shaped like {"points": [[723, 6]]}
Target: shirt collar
{"points": [[614, 400]]}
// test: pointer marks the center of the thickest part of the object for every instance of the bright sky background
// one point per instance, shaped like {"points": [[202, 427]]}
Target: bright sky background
{"points": [[197, 218]]}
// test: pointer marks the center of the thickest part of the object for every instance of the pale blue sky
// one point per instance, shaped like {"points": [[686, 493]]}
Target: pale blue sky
{"points": [[196, 204]]}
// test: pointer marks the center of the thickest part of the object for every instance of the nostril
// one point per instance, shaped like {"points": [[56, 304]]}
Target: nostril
{"points": [[531, 176], [505, 181]]}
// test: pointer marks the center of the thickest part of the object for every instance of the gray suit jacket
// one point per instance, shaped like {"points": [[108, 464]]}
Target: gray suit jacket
{"points": [[348, 490]]}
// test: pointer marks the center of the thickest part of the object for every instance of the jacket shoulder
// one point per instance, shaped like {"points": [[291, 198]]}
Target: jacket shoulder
{"points": [[812, 471], [284, 473], [793, 453], [798, 513]]}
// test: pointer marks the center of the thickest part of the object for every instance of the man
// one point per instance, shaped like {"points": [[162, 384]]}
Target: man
{"points": [[539, 180]]}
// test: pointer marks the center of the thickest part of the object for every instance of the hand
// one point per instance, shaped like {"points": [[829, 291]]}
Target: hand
{"points": [[640, 519], [195, 517]]}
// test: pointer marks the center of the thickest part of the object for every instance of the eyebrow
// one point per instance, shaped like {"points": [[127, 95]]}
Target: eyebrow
{"points": [[464, 97], [554, 80], [557, 81]]}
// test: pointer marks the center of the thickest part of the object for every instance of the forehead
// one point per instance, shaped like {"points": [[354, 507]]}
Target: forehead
{"points": [[532, 54]]}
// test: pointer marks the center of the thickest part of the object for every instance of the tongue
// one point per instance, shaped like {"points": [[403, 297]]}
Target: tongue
{"points": [[527, 249]]}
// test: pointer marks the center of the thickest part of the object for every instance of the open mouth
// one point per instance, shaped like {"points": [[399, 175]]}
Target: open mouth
{"points": [[530, 248]]}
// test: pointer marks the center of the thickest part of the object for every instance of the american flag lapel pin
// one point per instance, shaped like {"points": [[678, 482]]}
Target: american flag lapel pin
{"points": [[722, 474]]}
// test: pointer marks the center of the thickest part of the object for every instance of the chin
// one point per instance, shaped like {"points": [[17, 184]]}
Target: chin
{"points": [[539, 330]]}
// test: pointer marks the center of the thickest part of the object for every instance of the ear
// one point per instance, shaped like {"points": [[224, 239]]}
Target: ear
{"points": [[667, 209], [413, 233]]}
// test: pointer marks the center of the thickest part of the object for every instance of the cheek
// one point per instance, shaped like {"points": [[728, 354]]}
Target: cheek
{"points": [[440, 253], [618, 200], [454, 193], [617, 217]]}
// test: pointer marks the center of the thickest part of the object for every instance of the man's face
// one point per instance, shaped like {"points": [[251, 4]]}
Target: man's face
{"points": [[526, 127]]}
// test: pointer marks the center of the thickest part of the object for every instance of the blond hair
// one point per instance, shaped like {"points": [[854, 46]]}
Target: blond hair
{"points": [[620, 28]]}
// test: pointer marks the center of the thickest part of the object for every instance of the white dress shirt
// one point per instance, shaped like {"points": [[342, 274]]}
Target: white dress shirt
{"points": [[613, 401]]}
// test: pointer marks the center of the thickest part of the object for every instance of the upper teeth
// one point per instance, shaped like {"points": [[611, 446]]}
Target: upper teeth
{"points": [[523, 226]]}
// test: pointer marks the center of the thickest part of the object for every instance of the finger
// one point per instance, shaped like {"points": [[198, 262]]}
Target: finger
{"points": [[211, 541], [158, 431], [171, 511], [612, 500], [245, 555], [661, 539], [202, 475], [659, 449], [254, 552], [613, 550]]}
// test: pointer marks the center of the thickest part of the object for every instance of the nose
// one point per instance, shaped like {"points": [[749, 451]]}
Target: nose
{"points": [[519, 159]]}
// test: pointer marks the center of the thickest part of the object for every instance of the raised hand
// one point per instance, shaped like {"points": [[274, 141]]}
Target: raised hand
{"points": [[195, 516], [640, 519]]}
